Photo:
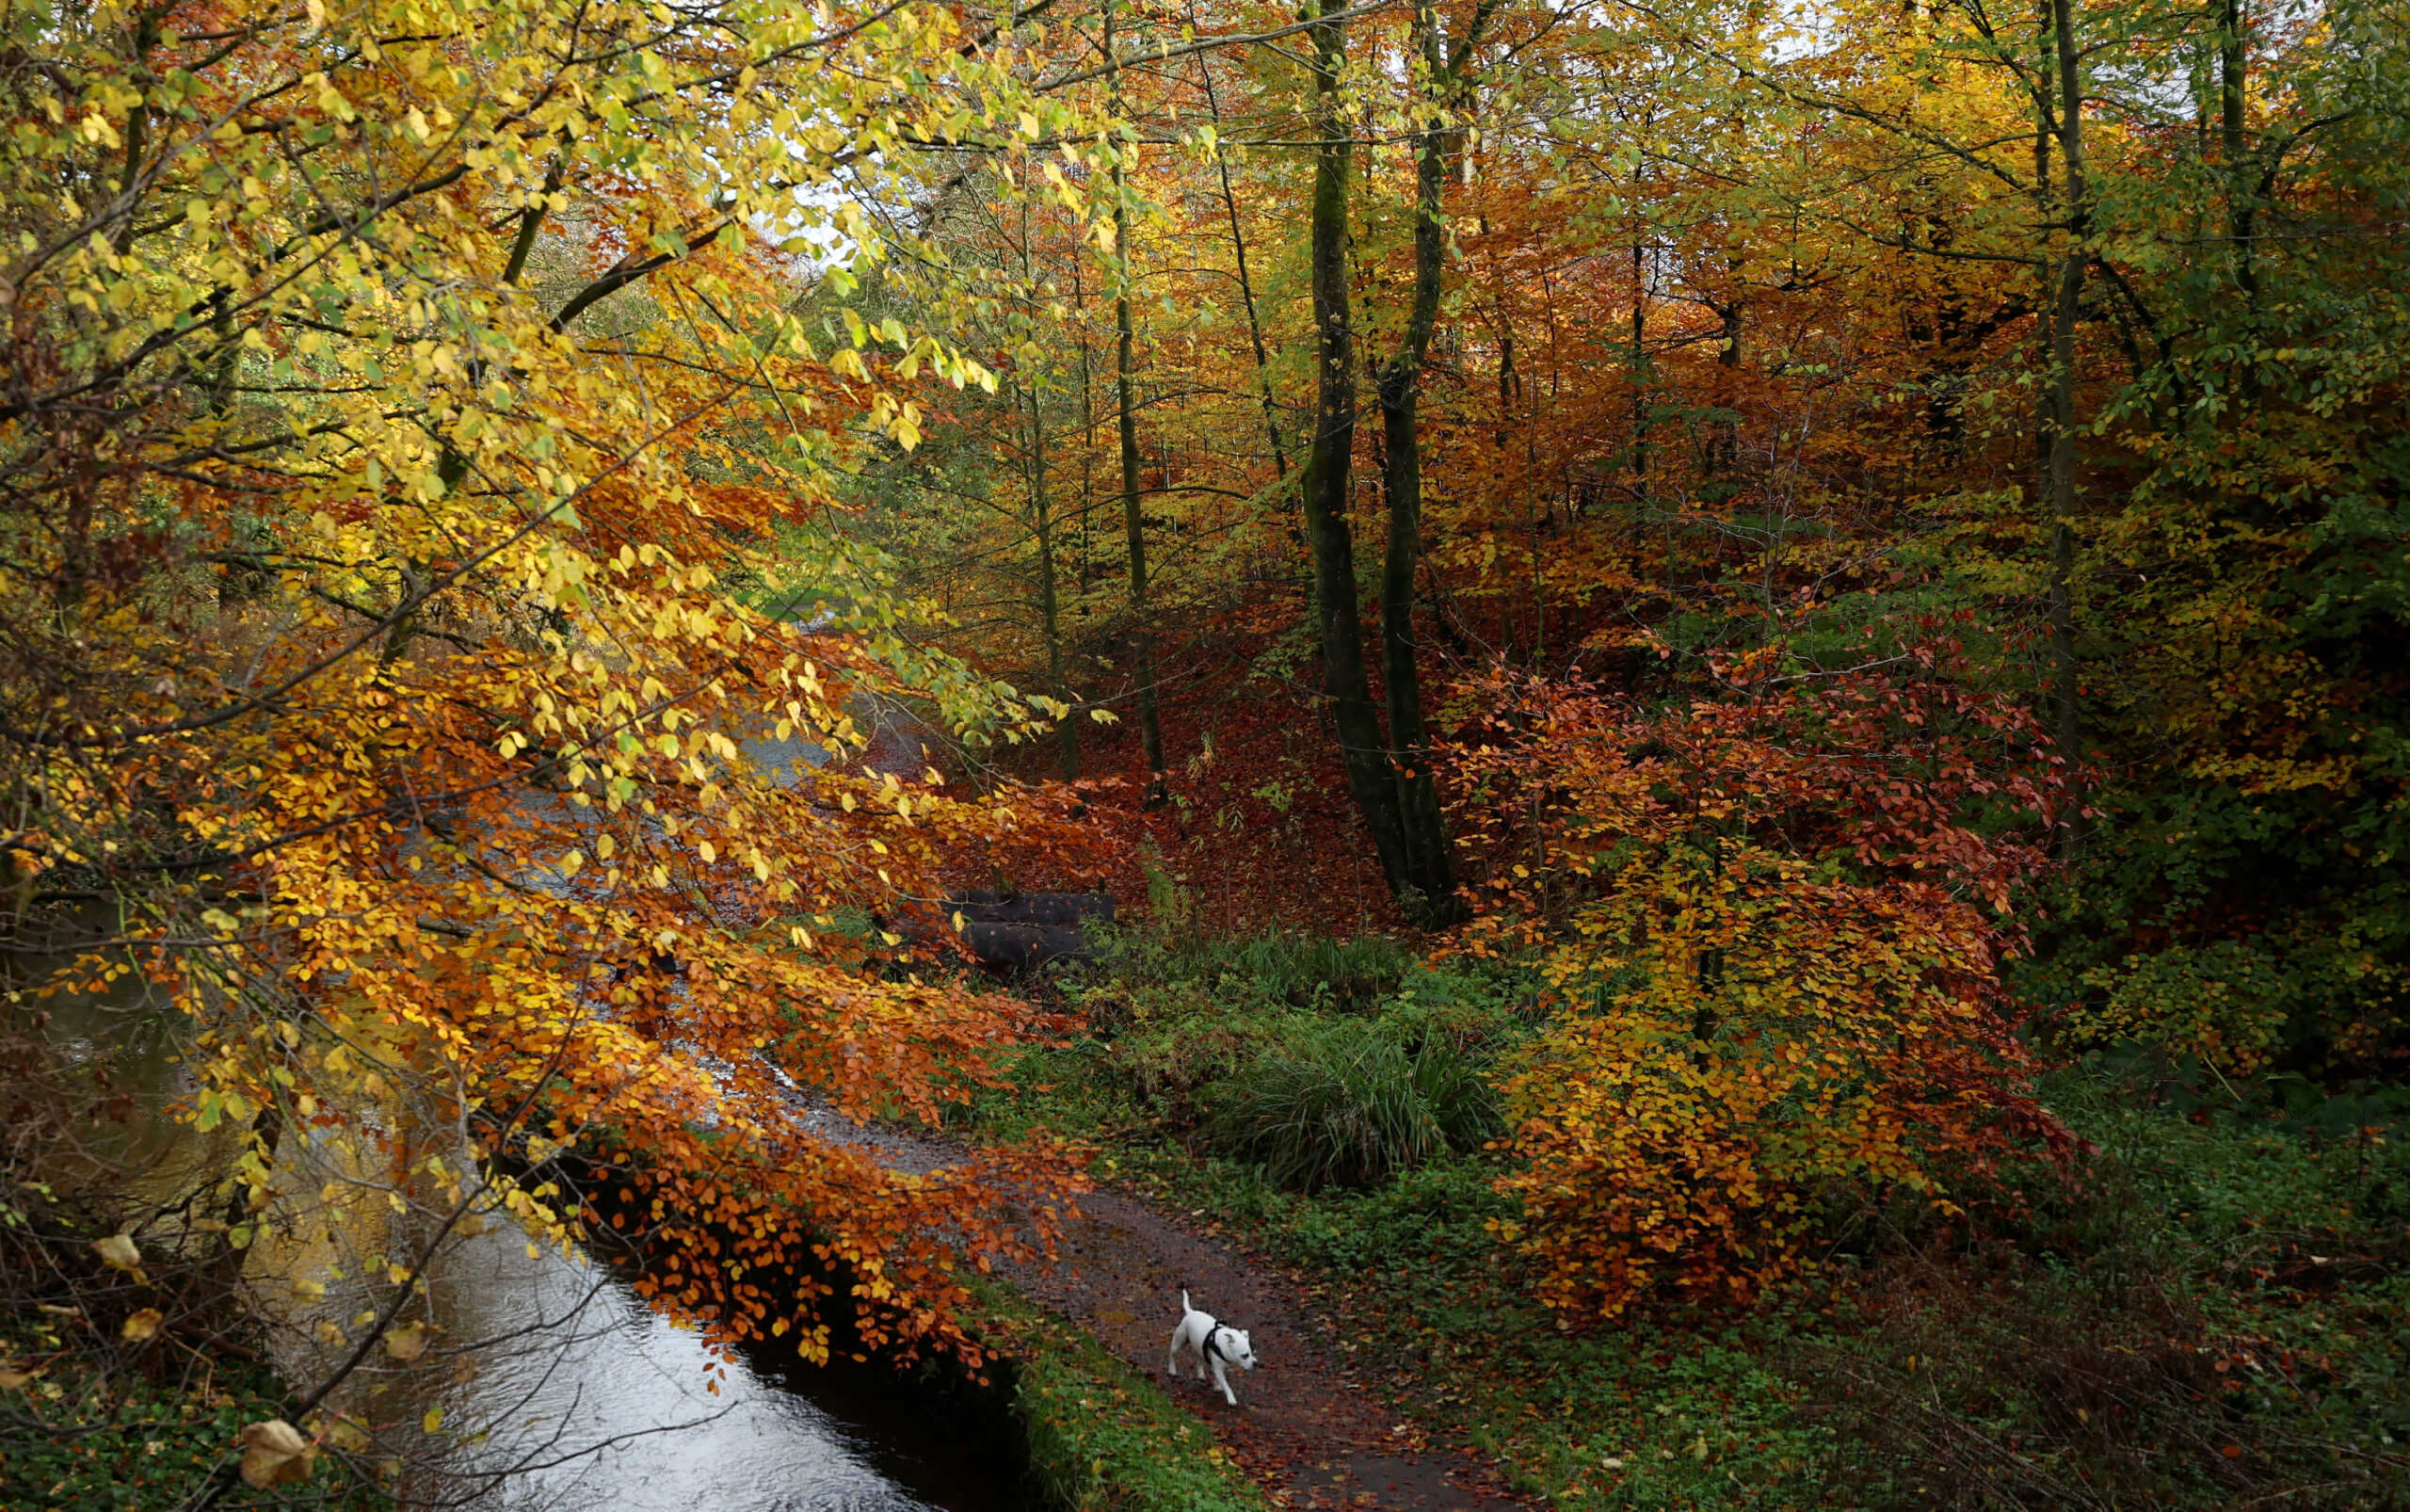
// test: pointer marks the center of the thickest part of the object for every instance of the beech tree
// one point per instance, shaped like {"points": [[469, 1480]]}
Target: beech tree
{"points": [[399, 408]]}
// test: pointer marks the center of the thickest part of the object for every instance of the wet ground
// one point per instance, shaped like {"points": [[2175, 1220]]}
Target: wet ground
{"points": [[1305, 1425]]}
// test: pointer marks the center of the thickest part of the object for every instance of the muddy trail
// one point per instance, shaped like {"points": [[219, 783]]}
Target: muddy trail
{"points": [[1305, 1424], [1307, 1427]]}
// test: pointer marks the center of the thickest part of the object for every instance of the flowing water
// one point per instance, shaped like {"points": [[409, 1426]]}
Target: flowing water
{"points": [[608, 1372], [558, 1387]]}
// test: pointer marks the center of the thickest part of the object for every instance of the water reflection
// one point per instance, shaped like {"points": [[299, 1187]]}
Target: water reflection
{"points": [[559, 1389], [609, 1372]]}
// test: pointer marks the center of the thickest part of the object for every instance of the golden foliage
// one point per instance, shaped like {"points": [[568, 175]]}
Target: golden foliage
{"points": [[1777, 944], [402, 400]]}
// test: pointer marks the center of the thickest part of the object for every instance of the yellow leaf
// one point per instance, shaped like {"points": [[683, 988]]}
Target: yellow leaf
{"points": [[143, 1324], [274, 1453], [407, 1343], [118, 1252]]}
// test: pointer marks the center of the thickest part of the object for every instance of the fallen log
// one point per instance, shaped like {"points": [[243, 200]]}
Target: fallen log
{"points": [[1030, 907], [1017, 947]]}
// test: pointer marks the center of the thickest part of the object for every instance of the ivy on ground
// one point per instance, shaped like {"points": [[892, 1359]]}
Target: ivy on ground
{"points": [[1105, 1438]]}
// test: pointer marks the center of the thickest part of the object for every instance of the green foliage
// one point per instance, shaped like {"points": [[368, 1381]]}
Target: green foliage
{"points": [[1102, 1436], [1303, 971], [2242, 604], [1325, 1060], [124, 1441], [1349, 1103], [2212, 1319]]}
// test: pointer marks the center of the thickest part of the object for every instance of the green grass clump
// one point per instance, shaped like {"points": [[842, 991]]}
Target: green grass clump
{"points": [[1298, 971], [1102, 1436], [1347, 1102], [1309, 971]]}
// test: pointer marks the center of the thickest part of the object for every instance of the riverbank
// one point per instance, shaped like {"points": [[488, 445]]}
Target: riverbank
{"points": [[130, 1365], [1101, 1434], [2210, 1319], [1086, 1336], [75, 1432]]}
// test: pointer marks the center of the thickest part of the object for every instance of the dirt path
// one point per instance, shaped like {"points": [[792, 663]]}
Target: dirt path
{"points": [[1305, 1426], [1309, 1431]]}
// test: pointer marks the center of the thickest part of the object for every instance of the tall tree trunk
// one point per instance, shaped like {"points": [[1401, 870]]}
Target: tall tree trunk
{"points": [[1042, 513], [2066, 309], [1430, 871], [1134, 521], [1724, 447], [1324, 485], [1639, 366], [1087, 423], [2241, 194], [1514, 396], [1133, 514], [1049, 603], [1640, 352], [1246, 283]]}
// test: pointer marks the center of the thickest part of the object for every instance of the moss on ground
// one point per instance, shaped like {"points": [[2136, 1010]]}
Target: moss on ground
{"points": [[1102, 1436], [73, 1437]]}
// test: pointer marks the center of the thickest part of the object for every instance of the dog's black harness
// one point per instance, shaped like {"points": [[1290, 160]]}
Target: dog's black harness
{"points": [[1209, 1351]]}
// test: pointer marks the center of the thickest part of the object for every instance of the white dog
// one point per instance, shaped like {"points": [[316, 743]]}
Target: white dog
{"points": [[1216, 1344]]}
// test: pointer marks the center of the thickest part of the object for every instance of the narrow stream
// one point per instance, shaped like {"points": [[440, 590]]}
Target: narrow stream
{"points": [[611, 1372], [558, 1387]]}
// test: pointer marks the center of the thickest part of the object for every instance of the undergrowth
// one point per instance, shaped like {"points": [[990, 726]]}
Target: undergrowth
{"points": [[1349, 1103], [1102, 1436], [2214, 1318], [130, 1358], [2209, 1316], [81, 1439]]}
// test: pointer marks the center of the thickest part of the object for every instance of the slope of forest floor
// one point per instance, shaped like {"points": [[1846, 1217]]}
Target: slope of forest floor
{"points": [[138, 1442], [1307, 1428], [2208, 1317]]}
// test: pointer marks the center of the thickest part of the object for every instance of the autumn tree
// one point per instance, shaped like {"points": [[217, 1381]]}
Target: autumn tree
{"points": [[1776, 914], [1389, 772], [399, 412]]}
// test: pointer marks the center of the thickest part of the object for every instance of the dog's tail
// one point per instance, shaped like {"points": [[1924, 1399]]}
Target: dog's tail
{"points": [[1184, 1308]]}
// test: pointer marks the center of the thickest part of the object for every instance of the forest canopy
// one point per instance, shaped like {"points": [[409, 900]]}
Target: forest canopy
{"points": [[546, 545]]}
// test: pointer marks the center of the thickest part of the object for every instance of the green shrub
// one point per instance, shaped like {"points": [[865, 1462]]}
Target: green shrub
{"points": [[1347, 1102], [1302, 971], [1312, 971]]}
